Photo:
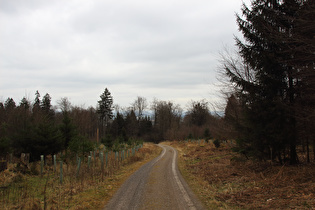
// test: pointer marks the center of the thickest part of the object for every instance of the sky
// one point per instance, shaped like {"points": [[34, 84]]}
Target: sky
{"points": [[168, 50]]}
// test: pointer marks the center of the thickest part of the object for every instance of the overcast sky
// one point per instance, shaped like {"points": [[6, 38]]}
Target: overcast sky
{"points": [[161, 49]]}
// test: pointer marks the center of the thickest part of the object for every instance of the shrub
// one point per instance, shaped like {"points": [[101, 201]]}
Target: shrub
{"points": [[81, 145], [217, 143], [108, 141], [207, 134]]}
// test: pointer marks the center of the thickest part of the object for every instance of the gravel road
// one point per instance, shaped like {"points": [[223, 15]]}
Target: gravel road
{"points": [[156, 185]]}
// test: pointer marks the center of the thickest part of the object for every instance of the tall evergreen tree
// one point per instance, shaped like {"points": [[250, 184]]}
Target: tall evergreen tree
{"points": [[105, 109], [269, 98], [145, 126], [118, 125], [36, 105], [68, 130], [9, 104], [2, 112], [47, 107], [132, 125], [303, 46]]}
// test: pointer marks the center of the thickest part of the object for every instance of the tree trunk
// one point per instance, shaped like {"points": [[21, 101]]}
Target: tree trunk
{"points": [[293, 136], [307, 150]]}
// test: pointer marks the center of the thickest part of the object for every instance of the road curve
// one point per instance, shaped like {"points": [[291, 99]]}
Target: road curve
{"points": [[156, 185]]}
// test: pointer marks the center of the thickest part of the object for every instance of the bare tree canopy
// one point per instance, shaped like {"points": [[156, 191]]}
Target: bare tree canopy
{"points": [[139, 105]]}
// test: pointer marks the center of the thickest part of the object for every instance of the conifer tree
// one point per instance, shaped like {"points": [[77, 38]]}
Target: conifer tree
{"points": [[68, 130], [269, 98], [46, 106], [105, 109], [36, 105], [132, 125]]}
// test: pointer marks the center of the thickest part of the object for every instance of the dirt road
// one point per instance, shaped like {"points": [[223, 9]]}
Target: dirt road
{"points": [[156, 185]]}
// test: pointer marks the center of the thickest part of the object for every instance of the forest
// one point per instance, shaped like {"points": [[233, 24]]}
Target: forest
{"points": [[38, 128], [269, 92]]}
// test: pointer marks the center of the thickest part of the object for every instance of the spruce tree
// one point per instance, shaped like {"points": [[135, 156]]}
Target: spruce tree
{"points": [[36, 105], [68, 130], [132, 124], [268, 98], [105, 109]]}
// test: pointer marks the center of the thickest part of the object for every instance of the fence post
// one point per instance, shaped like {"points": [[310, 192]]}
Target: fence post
{"points": [[102, 161], [79, 165], [41, 165], [61, 173], [77, 158], [55, 163], [106, 158], [89, 161]]}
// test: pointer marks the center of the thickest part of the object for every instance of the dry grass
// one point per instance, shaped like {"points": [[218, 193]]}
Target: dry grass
{"points": [[92, 189], [224, 180]]}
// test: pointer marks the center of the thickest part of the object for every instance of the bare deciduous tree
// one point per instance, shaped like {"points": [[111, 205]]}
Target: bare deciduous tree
{"points": [[64, 104], [139, 105]]}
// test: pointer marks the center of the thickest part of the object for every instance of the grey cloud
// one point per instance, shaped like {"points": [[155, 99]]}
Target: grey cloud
{"points": [[132, 46], [18, 6]]}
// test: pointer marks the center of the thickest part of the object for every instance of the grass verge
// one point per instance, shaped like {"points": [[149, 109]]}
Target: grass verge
{"points": [[224, 180], [90, 190], [99, 196]]}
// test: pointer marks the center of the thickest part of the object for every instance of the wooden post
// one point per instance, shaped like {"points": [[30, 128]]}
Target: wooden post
{"points": [[106, 158], [89, 161], [61, 173], [102, 161], [41, 165], [79, 166], [55, 163], [77, 158]]}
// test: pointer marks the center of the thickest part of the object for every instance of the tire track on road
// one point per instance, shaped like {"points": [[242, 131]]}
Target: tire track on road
{"points": [[156, 185]]}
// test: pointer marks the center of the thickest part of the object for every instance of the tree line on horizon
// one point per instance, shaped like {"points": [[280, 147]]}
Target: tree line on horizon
{"points": [[38, 128]]}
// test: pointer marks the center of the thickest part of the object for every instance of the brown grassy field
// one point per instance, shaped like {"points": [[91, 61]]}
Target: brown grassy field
{"points": [[90, 189], [224, 180]]}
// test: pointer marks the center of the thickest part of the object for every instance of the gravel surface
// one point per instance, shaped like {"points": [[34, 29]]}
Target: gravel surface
{"points": [[156, 185]]}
